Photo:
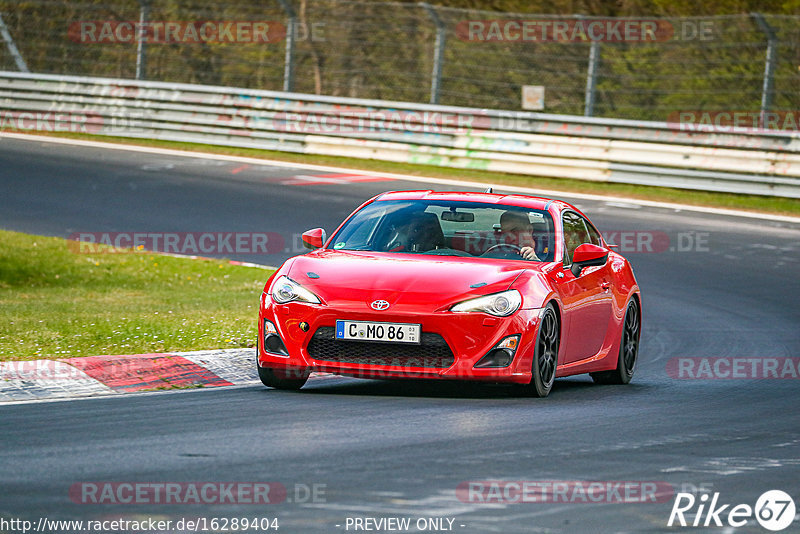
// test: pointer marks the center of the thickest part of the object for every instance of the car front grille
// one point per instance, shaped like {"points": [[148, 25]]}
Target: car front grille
{"points": [[433, 351]]}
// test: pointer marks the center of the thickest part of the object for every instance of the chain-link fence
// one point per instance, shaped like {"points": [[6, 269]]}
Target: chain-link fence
{"points": [[626, 68]]}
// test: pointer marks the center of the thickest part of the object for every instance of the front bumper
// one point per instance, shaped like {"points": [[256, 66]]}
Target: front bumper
{"points": [[452, 343]]}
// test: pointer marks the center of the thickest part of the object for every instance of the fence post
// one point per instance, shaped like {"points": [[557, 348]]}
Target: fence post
{"points": [[591, 79], [767, 89], [141, 45], [288, 62], [12, 46], [438, 53]]}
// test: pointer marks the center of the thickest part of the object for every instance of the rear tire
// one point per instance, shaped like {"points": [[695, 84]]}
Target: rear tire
{"points": [[628, 349], [545, 354], [279, 379]]}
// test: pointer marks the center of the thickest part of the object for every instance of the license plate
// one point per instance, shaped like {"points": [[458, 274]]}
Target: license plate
{"points": [[386, 332]]}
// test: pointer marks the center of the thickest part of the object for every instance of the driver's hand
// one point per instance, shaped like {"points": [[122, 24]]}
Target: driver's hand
{"points": [[528, 253]]}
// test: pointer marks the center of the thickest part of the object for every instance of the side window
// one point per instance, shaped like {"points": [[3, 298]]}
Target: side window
{"points": [[575, 234], [594, 235]]}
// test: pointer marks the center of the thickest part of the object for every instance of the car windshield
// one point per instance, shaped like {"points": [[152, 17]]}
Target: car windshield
{"points": [[449, 228]]}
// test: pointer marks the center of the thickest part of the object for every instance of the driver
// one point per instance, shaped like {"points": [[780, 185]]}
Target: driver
{"points": [[517, 230]]}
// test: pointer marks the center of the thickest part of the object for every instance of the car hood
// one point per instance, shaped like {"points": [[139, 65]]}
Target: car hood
{"points": [[408, 282]]}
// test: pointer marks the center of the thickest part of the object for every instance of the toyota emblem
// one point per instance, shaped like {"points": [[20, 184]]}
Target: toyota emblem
{"points": [[379, 305]]}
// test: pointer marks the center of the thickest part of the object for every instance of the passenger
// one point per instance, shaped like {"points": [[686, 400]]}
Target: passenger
{"points": [[415, 231]]}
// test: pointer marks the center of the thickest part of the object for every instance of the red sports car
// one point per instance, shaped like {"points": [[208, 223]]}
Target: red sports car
{"points": [[453, 285]]}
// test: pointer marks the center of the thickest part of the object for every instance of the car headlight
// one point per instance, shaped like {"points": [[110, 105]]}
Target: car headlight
{"points": [[287, 290], [500, 304]]}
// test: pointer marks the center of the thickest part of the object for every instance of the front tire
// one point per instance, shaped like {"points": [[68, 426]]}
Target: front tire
{"points": [[280, 379], [545, 354], [628, 349]]}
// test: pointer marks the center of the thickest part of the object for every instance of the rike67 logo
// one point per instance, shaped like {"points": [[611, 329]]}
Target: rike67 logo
{"points": [[774, 510]]}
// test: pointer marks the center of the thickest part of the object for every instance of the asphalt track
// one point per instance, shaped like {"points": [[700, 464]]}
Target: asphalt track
{"points": [[397, 449]]}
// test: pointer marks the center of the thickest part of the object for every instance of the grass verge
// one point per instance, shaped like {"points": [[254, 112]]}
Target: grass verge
{"points": [[55, 303], [754, 203]]}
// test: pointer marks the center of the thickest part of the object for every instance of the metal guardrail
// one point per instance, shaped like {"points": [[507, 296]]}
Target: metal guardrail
{"points": [[561, 146]]}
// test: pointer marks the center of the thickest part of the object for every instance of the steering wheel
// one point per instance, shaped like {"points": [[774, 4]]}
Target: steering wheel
{"points": [[514, 248], [394, 241]]}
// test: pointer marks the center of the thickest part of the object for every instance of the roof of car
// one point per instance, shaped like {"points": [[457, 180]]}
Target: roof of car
{"points": [[526, 201]]}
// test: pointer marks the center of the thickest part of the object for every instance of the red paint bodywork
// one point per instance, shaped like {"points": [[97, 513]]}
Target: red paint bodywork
{"points": [[591, 307]]}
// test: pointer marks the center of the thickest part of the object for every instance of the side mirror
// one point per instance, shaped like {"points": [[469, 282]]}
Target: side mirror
{"points": [[314, 239], [588, 255]]}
